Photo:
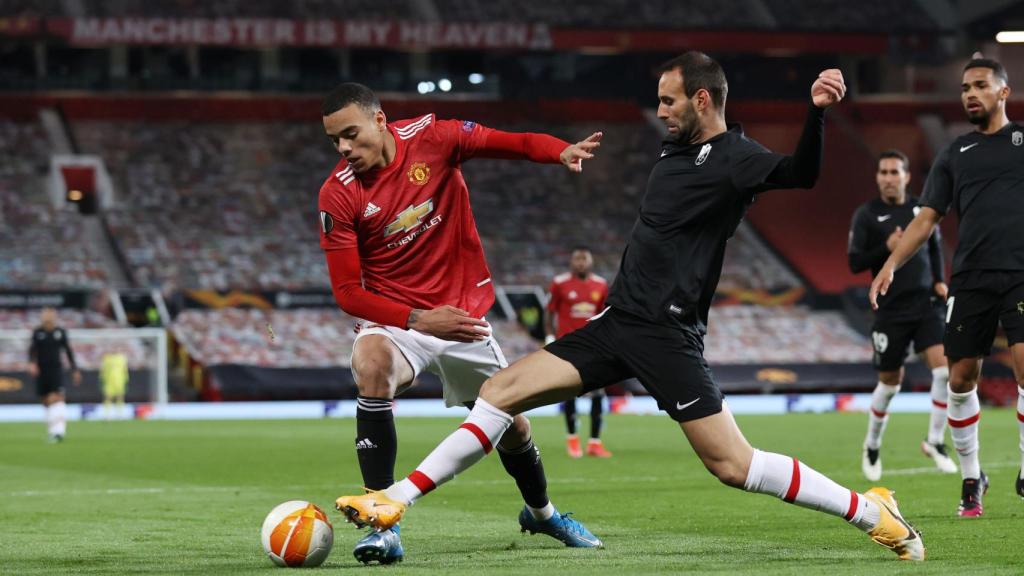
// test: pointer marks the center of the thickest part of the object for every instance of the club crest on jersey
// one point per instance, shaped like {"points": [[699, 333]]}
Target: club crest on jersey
{"points": [[419, 173], [1017, 137], [410, 218], [704, 151], [326, 222], [595, 295]]}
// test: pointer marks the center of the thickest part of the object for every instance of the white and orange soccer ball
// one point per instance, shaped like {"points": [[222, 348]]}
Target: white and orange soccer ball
{"points": [[297, 533]]}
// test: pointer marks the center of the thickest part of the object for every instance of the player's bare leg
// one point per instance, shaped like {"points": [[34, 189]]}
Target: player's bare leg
{"points": [[878, 417], [725, 452], [934, 445], [1017, 351], [537, 380], [381, 371], [964, 412]]}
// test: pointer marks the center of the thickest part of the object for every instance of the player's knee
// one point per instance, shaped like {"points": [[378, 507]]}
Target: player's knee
{"points": [[891, 378], [497, 391], [374, 374], [517, 434], [961, 381]]}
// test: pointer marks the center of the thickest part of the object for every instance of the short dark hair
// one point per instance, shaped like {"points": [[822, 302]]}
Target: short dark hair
{"points": [[699, 71], [997, 69], [897, 154], [581, 248], [350, 93]]}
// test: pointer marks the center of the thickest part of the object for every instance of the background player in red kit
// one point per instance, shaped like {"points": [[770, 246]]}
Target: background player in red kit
{"points": [[576, 296], [404, 255]]}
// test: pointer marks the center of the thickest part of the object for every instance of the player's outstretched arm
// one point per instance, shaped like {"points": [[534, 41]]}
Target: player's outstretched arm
{"points": [[916, 234], [540, 148]]}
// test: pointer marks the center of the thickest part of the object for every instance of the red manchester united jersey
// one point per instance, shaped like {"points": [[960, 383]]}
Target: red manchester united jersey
{"points": [[575, 301], [411, 221]]}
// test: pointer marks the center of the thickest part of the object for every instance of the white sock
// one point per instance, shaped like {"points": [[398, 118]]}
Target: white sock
{"points": [[460, 450], [964, 412], [542, 513], [1020, 423], [878, 416], [49, 417], [940, 400], [797, 483], [60, 411]]}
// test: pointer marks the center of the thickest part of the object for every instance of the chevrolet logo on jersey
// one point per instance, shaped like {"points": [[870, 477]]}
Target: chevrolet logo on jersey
{"points": [[410, 218]]}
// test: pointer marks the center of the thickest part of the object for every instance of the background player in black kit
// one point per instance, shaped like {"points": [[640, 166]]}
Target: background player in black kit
{"points": [[981, 176], [698, 191], [48, 341], [912, 311]]}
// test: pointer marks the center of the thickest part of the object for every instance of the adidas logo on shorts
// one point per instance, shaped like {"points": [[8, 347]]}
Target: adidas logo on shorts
{"points": [[365, 444]]}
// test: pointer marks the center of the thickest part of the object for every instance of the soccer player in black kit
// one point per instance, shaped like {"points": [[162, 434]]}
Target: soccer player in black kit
{"points": [[981, 177], [48, 341], [913, 311], [698, 191]]}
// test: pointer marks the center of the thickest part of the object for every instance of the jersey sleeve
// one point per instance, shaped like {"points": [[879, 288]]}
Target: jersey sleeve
{"points": [[33, 350], [555, 299], [861, 255], [337, 217], [463, 138], [604, 297], [753, 168], [760, 170], [66, 344], [936, 257], [938, 188]]}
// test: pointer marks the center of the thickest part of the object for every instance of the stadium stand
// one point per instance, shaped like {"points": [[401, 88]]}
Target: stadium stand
{"points": [[39, 247], [781, 334], [873, 16], [308, 338], [215, 206]]}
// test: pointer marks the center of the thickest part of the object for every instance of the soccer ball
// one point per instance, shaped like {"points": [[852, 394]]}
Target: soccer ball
{"points": [[297, 533]]}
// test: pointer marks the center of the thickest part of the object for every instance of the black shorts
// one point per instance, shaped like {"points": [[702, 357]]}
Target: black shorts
{"points": [[667, 361], [891, 337], [979, 300], [49, 381]]}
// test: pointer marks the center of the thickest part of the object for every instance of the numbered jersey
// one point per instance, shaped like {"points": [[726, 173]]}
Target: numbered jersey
{"points": [[411, 221]]}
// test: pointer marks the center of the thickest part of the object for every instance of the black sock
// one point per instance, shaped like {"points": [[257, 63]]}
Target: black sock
{"points": [[570, 415], [596, 416], [376, 441], [525, 466]]}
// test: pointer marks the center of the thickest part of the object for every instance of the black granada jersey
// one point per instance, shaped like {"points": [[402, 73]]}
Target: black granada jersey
{"points": [[982, 177], [913, 284], [47, 345], [696, 196]]}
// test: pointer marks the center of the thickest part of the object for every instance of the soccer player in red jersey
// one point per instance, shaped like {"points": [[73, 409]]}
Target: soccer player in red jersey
{"points": [[575, 297], [404, 256]]}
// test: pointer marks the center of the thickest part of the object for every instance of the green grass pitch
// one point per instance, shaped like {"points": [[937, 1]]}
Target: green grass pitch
{"points": [[189, 497]]}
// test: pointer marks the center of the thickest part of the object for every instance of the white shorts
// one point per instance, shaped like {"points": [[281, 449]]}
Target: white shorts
{"points": [[462, 366]]}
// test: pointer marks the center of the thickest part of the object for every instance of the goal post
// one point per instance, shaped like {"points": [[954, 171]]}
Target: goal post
{"points": [[145, 348]]}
